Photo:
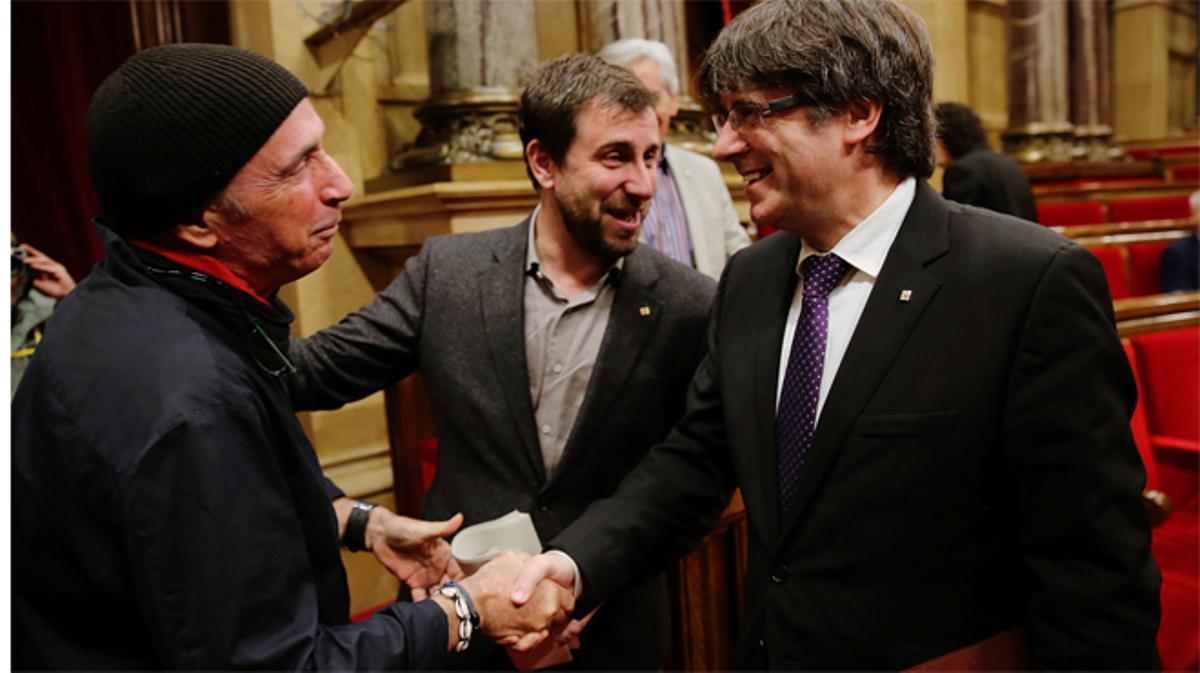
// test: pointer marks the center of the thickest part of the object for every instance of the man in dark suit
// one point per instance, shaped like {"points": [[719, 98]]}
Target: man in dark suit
{"points": [[924, 404], [976, 175], [555, 352], [1179, 268]]}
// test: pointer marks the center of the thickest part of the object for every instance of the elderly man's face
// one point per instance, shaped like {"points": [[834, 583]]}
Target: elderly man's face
{"points": [[290, 195], [791, 167], [605, 182]]}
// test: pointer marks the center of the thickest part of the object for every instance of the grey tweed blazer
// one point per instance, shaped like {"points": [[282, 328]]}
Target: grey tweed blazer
{"points": [[455, 315]]}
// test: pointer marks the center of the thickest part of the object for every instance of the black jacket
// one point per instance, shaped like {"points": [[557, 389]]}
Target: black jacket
{"points": [[990, 180], [168, 511], [972, 467]]}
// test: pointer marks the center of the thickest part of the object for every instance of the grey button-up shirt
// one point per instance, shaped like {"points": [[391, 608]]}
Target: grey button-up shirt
{"points": [[562, 341]]}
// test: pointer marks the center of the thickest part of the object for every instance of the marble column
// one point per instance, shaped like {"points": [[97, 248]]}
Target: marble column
{"points": [[1038, 108], [605, 21], [1091, 110], [479, 51]]}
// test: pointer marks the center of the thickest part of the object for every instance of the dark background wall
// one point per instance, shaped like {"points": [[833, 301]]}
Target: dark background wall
{"points": [[61, 51]]}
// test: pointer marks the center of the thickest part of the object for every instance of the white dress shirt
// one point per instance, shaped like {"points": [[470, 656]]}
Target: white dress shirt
{"points": [[865, 248]]}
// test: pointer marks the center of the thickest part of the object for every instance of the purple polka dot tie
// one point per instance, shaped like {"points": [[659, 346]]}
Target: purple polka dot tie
{"points": [[796, 415]]}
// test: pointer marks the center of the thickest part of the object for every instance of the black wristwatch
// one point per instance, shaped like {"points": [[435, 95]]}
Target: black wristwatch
{"points": [[355, 537]]}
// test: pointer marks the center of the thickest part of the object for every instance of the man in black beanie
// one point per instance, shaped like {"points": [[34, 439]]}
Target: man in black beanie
{"points": [[168, 510]]}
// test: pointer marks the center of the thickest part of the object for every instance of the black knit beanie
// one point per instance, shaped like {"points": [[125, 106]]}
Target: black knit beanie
{"points": [[174, 124]]}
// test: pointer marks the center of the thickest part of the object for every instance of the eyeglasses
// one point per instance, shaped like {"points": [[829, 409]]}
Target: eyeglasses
{"points": [[264, 352], [750, 113]]}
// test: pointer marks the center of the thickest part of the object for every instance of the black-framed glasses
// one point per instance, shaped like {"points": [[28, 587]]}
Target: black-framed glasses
{"points": [[750, 113]]}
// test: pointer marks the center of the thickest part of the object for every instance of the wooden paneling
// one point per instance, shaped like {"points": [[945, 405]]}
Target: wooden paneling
{"points": [[708, 598]]}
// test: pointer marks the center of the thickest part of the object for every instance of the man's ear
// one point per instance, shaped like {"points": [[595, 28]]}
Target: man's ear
{"points": [[541, 164], [204, 233], [862, 118]]}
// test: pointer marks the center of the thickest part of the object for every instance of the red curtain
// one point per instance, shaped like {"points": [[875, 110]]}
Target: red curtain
{"points": [[61, 51]]}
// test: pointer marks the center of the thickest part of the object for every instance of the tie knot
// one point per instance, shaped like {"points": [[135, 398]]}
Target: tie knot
{"points": [[822, 273]]}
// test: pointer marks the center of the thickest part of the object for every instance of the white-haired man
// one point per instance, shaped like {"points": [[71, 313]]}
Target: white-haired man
{"points": [[691, 217]]}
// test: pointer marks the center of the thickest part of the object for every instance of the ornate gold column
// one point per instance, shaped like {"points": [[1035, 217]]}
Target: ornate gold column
{"points": [[1091, 110], [1038, 126], [478, 52]]}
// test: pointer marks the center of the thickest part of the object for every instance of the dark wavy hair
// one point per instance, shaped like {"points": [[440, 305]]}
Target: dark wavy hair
{"points": [[560, 88], [959, 129], [835, 52]]}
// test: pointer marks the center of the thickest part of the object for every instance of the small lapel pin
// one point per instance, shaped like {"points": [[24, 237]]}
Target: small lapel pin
{"points": [[905, 295], [644, 311]]}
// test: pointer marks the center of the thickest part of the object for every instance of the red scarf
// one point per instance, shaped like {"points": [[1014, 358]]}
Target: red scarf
{"points": [[206, 264]]}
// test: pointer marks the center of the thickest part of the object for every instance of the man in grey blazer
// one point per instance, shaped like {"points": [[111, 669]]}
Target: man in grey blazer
{"points": [[691, 218], [555, 352]]}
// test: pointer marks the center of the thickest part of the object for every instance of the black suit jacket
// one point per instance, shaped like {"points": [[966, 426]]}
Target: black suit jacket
{"points": [[1179, 267], [990, 180], [455, 314], [972, 468]]}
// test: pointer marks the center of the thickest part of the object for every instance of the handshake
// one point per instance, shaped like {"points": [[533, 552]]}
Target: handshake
{"points": [[522, 602]]}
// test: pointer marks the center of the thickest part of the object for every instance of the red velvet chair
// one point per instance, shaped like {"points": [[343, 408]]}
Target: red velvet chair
{"points": [[1186, 173], [1143, 267], [1112, 259], [1070, 213], [1157, 208], [1141, 427], [427, 449], [1169, 363]]}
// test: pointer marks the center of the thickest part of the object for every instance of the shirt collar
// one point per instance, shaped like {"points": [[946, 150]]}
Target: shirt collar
{"points": [[866, 246], [533, 264]]}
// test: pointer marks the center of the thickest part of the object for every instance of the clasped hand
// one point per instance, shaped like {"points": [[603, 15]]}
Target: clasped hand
{"points": [[519, 605]]}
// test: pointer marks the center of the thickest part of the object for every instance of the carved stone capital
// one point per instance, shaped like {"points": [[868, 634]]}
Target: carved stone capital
{"points": [[470, 126], [1094, 143], [1038, 142], [691, 129]]}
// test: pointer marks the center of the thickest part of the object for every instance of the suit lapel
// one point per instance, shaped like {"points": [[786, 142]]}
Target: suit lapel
{"points": [[635, 313], [501, 295], [882, 330], [775, 300]]}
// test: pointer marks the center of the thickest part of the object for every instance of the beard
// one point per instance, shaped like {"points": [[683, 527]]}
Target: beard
{"points": [[587, 229]]}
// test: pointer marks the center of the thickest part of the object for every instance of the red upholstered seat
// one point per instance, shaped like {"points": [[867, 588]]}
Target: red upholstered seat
{"points": [[1143, 267], [1139, 425], [1169, 363], [1186, 173], [1141, 153], [1070, 213], [1157, 208], [427, 450], [1112, 259]]}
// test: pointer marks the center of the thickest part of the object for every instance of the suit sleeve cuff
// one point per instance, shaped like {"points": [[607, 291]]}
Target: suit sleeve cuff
{"points": [[574, 569]]}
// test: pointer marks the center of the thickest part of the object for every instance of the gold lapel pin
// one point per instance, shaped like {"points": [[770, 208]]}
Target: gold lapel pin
{"points": [[644, 311], [905, 295]]}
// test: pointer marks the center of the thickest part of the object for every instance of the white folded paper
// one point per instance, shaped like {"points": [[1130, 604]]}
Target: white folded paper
{"points": [[478, 544]]}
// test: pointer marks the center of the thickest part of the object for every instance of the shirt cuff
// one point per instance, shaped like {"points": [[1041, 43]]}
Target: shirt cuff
{"points": [[574, 568]]}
